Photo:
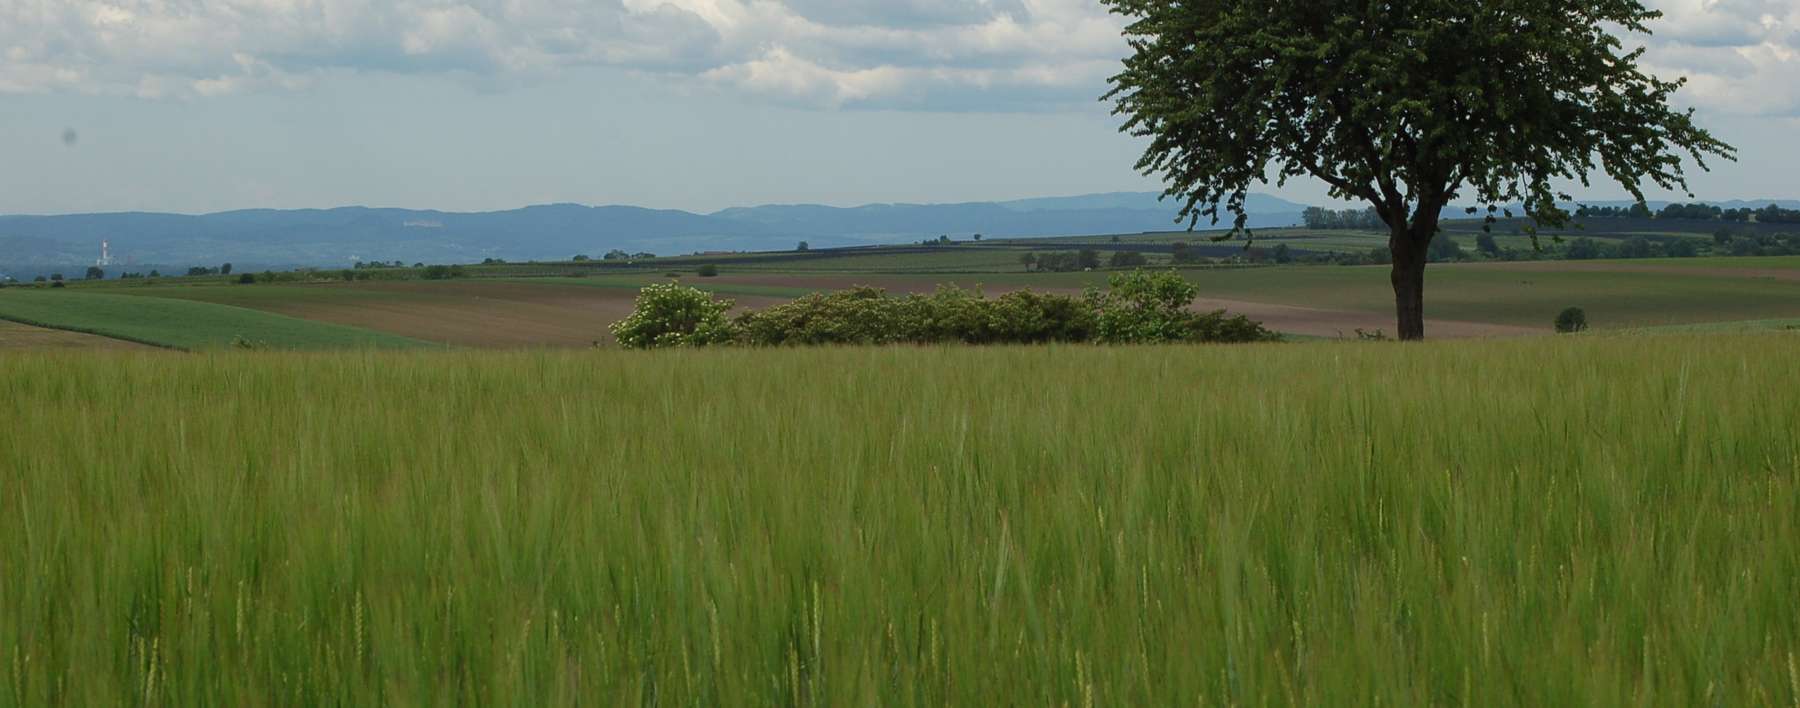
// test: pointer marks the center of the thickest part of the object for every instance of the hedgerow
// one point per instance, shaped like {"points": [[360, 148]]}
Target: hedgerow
{"points": [[1136, 308]]}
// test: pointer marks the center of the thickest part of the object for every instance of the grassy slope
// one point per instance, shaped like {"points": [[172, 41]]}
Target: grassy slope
{"points": [[181, 324], [1265, 524]]}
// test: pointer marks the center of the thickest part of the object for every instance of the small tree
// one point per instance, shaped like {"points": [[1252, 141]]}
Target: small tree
{"points": [[708, 271], [1444, 250], [95, 273], [674, 315], [1029, 260], [1572, 320], [1282, 254], [1485, 243], [1087, 258], [225, 269], [803, 246], [1408, 105], [1127, 259], [247, 279]]}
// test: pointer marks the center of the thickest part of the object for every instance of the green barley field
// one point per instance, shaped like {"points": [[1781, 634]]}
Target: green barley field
{"points": [[1597, 520]]}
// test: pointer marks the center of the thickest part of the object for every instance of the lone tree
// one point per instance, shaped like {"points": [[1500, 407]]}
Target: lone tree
{"points": [[1404, 104]]}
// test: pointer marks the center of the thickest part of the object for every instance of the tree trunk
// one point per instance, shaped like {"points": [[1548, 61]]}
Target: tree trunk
{"points": [[1409, 284]]}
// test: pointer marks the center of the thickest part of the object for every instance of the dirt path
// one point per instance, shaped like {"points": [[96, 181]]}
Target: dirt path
{"points": [[490, 315], [19, 337]]}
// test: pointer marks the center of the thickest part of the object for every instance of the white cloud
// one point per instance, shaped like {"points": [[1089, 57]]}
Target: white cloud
{"points": [[830, 52], [1741, 55]]}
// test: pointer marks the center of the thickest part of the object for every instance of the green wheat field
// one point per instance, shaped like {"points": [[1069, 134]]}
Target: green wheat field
{"points": [[1590, 520]]}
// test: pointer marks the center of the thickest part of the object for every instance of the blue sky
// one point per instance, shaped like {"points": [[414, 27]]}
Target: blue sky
{"points": [[204, 105]]}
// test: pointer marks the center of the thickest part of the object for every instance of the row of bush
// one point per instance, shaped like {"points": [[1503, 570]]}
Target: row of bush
{"points": [[1137, 308]]}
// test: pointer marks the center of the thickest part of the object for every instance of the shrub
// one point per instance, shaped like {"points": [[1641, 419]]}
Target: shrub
{"points": [[860, 315], [674, 315], [1026, 317], [1152, 308], [707, 271], [441, 272], [1572, 320], [1444, 249], [1140, 308], [246, 279]]}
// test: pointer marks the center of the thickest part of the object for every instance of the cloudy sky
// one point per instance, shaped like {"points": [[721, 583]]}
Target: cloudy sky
{"points": [[202, 105]]}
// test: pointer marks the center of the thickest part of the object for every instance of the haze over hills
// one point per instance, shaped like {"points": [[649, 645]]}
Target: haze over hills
{"points": [[262, 238], [337, 237]]}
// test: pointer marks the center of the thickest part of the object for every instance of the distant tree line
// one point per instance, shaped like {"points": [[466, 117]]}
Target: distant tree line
{"points": [[1771, 214], [1357, 219]]}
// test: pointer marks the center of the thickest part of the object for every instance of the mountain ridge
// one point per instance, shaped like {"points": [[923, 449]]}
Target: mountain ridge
{"points": [[337, 236]]}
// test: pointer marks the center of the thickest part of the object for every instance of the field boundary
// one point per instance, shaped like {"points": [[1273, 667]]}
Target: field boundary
{"points": [[94, 332]]}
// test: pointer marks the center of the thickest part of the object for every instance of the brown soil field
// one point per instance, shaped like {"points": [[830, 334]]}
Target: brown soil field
{"points": [[1311, 321], [15, 337], [1787, 274], [491, 315]]}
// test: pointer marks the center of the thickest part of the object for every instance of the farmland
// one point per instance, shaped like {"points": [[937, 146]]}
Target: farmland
{"points": [[1289, 523], [179, 324], [390, 515]]}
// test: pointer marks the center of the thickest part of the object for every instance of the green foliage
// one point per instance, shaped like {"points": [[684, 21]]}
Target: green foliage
{"points": [[1127, 259], [1366, 219], [860, 315], [674, 315], [1404, 105], [1485, 243], [1571, 320], [442, 272], [1444, 250], [1152, 308], [246, 279], [1139, 308], [95, 273], [708, 271]]}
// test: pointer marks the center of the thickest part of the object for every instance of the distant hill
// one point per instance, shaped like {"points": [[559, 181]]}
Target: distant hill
{"points": [[265, 238], [336, 237]]}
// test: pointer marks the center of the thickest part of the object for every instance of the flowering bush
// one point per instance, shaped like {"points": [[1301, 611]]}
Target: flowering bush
{"points": [[674, 315]]}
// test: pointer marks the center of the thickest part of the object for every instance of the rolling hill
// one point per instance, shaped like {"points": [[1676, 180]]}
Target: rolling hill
{"points": [[335, 237]]}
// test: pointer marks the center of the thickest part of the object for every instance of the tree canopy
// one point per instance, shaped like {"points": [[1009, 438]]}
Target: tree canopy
{"points": [[1404, 104]]}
